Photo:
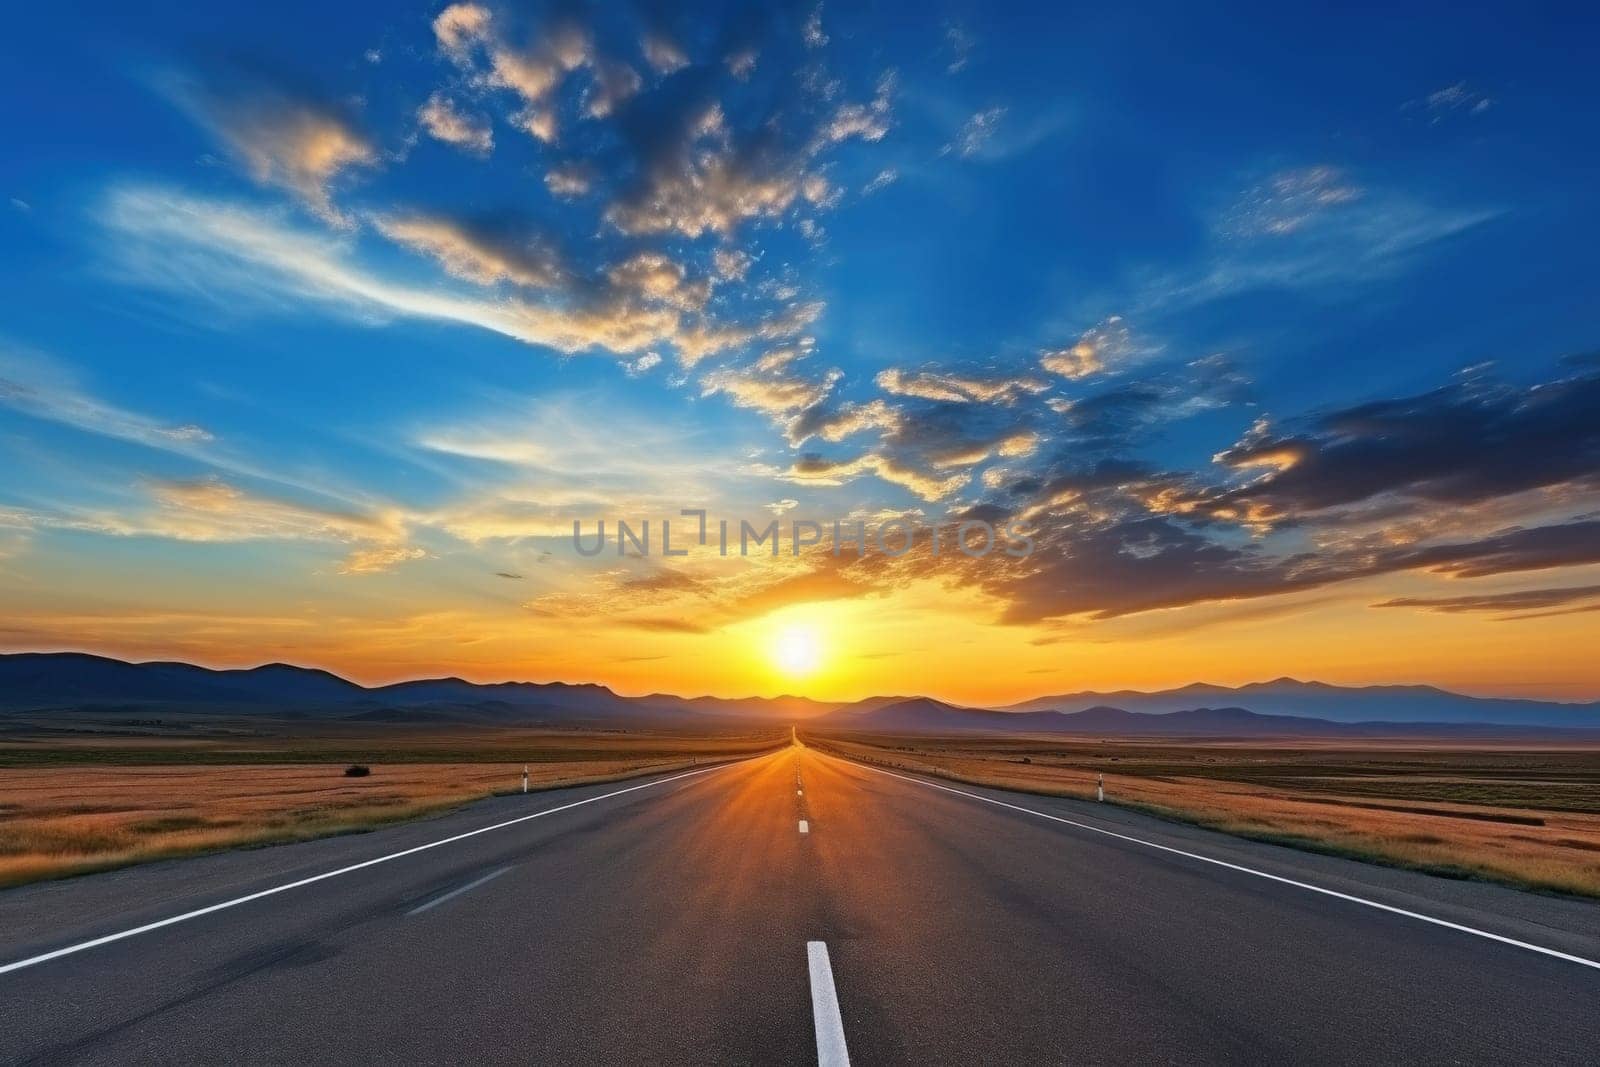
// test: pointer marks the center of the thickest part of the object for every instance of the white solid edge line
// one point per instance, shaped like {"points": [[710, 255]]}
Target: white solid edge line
{"points": [[831, 1049], [805, 827], [198, 912], [1447, 924], [436, 901]]}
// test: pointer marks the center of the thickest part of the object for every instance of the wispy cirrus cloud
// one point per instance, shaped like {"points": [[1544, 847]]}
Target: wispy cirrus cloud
{"points": [[380, 559], [1313, 229], [213, 510], [1107, 345], [256, 260], [296, 143], [40, 387], [1459, 98], [975, 133], [1289, 201]]}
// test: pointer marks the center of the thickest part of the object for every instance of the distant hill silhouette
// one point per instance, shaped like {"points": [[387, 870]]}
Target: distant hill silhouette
{"points": [[76, 680], [932, 717], [40, 682], [53, 679], [1373, 703]]}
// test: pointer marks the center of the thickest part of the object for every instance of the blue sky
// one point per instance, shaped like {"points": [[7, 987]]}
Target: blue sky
{"points": [[343, 313]]}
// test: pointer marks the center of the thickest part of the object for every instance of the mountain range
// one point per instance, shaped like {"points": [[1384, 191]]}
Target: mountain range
{"points": [[1372, 703], [924, 715], [41, 682]]}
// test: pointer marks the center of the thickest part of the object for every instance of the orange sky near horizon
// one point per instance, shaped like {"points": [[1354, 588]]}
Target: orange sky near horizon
{"points": [[918, 639]]}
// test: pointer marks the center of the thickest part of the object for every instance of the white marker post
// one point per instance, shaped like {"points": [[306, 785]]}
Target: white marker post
{"points": [[524, 777], [1100, 790]]}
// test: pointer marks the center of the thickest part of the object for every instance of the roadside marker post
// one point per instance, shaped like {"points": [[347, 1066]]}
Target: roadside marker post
{"points": [[1100, 789], [524, 777]]}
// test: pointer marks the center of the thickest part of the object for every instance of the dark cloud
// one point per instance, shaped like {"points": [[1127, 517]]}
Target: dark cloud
{"points": [[993, 514], [942, 435], [1464, 444], [664, 580], [1141, 564], [1125, 413], [1065, 479], [698, 158], [1539, 548], [1115, 537], [1523, 600], [1088, 566], [664, 625]]}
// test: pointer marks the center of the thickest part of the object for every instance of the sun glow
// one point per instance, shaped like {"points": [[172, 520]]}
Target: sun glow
{"points": [[797, 651]]}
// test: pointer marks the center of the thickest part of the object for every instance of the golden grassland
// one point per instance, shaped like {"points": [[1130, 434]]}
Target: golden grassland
{"points": [[71, 805], [1521, 815]]}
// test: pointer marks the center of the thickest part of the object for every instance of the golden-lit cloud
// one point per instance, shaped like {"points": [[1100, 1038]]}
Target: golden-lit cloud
{"points": [[379, 559], [774, 393], [870, 122], [213, 511], [814, 469], [203, 246], [476, 256], [1108, 344], [713, 193], [300, 145], [569, 180], [663, 54], [957, 388], [466, 31], [657, 277], [445, 122], [459, 28], [614, 82]]}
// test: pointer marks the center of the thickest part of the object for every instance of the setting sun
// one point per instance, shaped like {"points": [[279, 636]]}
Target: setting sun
{"points": [[797, 651]]}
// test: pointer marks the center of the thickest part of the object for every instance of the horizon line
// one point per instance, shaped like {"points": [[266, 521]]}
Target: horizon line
{"points": [[789, 696]]}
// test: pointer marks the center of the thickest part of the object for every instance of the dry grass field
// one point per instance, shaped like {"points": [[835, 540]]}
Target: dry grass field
{"points": [[1522, 815], [91, 800]]}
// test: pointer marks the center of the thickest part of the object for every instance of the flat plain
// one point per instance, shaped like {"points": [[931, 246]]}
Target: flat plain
{"points": [[1522, 814], [100, 793], [92, 792]]}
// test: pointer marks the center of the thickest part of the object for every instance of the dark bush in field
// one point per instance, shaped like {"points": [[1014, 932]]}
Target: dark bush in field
{"points": [[356, 770]]}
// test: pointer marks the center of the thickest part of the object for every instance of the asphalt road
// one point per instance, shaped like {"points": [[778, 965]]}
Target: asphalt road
{"points": [[687, 919]]}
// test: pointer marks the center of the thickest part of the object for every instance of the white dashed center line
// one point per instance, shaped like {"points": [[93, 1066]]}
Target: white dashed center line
{"points": [[831, 1050], [436, 901]]}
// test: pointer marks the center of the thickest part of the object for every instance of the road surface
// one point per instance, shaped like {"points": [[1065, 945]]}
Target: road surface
{"points": [[793, 908]]}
